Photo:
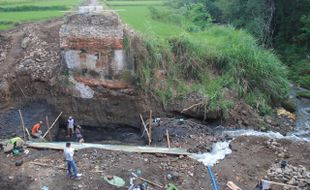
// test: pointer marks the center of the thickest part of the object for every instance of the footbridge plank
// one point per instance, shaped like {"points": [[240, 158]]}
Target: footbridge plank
{"points": [[125, 148]]}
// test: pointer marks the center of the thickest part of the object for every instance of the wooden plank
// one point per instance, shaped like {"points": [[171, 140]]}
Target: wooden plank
{"points": [[125, 148]]}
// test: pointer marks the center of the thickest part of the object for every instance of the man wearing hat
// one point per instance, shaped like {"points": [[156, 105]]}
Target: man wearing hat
{"points": [[70, 126]]}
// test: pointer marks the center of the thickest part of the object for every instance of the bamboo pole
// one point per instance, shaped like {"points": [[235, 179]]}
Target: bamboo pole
{"points": [[150, 127], [23, 124], [52, 125], [145, 128], [48, 126], [29, 136], [168, 138]]}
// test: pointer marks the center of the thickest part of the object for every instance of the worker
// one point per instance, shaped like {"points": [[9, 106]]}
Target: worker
{"points": [[36, 132], [79, 136], [71, 166], [70, 126]]}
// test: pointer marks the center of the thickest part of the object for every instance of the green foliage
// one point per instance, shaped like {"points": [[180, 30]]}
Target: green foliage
{"points": [[259, 101], [198, 14], [305, 94], [209, 61], [304, 36]]}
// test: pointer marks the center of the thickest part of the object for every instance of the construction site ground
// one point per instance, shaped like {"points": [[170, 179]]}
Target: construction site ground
{"points": [[247, 164]]}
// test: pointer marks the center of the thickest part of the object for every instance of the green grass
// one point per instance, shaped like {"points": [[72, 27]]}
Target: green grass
{"points": [[133, 3], [45, 3], [138, 17], [27, 16], [208, 61], [305, 94]]}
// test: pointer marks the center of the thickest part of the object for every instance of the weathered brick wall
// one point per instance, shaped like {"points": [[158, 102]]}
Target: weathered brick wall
{"points": [[93, 50], [92, 43]]}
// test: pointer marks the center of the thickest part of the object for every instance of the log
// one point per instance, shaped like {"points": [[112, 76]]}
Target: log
{"points": [[52, 125], [23, 124]]}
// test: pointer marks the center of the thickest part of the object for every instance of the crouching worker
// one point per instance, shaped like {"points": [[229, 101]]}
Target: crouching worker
{"points": [[71, 166], [79, 136], [36, 130]]}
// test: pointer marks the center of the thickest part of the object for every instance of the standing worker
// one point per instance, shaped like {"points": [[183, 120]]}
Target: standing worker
{"points": [[70, 126], [71, 166], [79, 136], [36, 132]]}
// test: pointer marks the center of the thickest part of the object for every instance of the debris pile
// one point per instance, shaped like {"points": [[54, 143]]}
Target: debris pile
{"points": [[279, 150], [289, 174], [4, 46], [40, 59]]}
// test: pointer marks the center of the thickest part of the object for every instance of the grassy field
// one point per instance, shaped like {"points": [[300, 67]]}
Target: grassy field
{"points": [[137, 15], [31, 10]]}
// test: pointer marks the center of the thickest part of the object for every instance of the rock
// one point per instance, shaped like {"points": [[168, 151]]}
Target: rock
{"points": [[19, 163], [11, 177], [25, 42]]}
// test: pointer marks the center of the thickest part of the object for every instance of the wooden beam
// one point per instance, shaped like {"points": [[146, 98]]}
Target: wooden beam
{"points": [[52, 125], [23, 124]]}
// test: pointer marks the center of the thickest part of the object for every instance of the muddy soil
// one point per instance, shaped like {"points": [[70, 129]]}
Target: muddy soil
{"points": [[252, 157], [249, 162], [93, 164]]}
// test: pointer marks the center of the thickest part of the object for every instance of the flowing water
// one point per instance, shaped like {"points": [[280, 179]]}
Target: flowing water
{"points": [[300, 133]]}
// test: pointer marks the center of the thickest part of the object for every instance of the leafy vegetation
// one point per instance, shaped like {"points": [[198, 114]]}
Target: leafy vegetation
{"points": [[208, 61], [283, 25]]}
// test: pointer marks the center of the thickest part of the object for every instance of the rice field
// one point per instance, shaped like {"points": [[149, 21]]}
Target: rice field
{"points": [[136, 14], [32, 10]]}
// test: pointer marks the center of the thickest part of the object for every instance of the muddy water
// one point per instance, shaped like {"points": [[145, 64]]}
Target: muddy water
{"points": [[107, 134]]}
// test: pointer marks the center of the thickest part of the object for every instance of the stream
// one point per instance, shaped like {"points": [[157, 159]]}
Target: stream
{"points": [[300, 133]]}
